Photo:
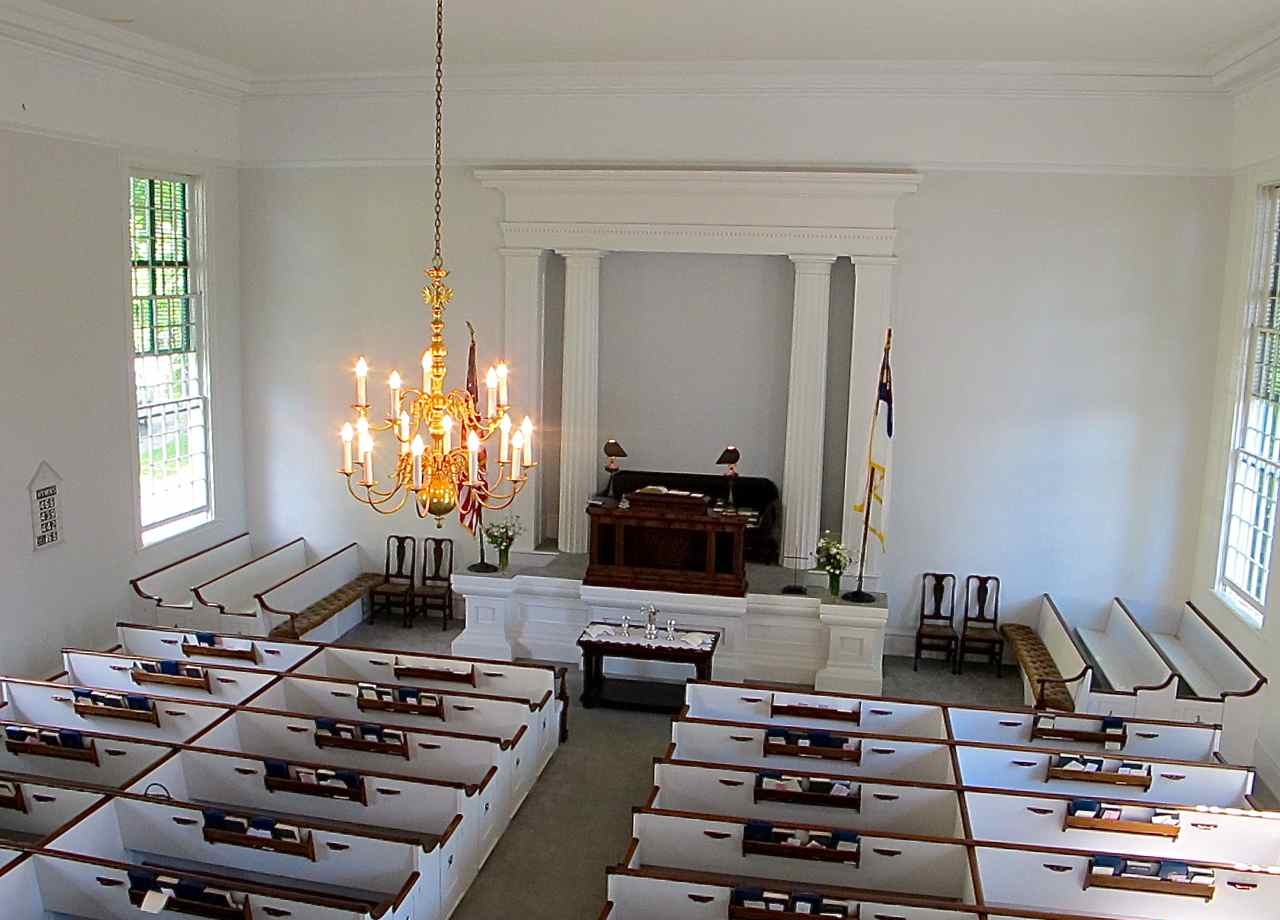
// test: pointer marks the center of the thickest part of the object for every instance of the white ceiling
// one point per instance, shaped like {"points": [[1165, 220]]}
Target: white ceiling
{"points": [[294, 37]]}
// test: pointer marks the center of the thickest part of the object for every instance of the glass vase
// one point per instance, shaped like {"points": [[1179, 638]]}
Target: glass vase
{"points": [[504, 558], [833, 583]]}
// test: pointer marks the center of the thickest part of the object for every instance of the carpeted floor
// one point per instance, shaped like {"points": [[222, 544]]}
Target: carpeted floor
{"points": [[550, 864]]}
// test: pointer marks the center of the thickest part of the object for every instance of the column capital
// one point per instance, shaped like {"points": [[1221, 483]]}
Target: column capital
{"points": [[584, 254], [868, 261], [808, 264], [519, 252]]}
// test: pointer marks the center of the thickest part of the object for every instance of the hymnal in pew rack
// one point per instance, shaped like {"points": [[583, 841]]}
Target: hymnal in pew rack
{"points": [[356, 736], [1083, 769], [852, 713], [258, 833], [61, 744], [280, 776], [411, 700], [208, 645], [766, 904], [193, 899], [763, 838], [1159, 876], [817, 744], [1087, 814], [1113, 733], [171, 673], [799, 789], [422, 672], [11, 798], [127, 706]]}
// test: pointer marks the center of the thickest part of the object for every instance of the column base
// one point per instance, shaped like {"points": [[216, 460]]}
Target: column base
{"points": [[855, 651]]}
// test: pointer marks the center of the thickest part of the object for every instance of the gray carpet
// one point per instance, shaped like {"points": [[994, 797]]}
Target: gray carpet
{"points": [[550, 864]]}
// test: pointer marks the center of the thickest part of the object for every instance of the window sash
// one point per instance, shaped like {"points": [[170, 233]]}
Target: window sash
{"points": [[1250, 512]]}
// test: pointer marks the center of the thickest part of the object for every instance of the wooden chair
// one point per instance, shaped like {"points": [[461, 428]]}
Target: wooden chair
{"points": [[395, 591], [435, 591], [937, 629], [980, 631]]}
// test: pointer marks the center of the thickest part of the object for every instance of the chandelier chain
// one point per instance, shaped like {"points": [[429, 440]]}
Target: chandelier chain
{"points": [[437, 260]]}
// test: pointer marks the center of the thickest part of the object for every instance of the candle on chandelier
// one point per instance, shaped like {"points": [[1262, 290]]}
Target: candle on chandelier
{"points": [[366, 457], [447, 422], [347, 435], [362, 378], [473, 457], [418, 448], [526, 429], [491, 384], [404, 432], [504, 444], [517, 448], [502, 383], [394, 383]]}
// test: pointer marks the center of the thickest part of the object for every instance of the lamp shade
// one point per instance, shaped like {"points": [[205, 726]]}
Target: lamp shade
{"points": [[729, 455], [613, 449]]}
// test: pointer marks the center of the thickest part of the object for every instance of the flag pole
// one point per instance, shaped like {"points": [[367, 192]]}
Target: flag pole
{"points": [[858, 595], [481, 566]]}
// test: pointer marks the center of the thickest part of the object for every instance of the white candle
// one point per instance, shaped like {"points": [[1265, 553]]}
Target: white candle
{"points": [[418, 448], [502, 384], [366, 458], [447, 422], [517, 446], [504, 444], [362, 377], [473, 457], [404, 432], [526, 429], [394, 383], [347, 435], [491, 384]]}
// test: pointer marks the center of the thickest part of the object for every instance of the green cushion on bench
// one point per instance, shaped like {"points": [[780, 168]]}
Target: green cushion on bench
{"points": [[327, 607], [1038, 665]]}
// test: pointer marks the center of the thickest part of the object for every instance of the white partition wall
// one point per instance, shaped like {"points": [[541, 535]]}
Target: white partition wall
{"points": [[170, 588], [212, 647], [230, 597]]}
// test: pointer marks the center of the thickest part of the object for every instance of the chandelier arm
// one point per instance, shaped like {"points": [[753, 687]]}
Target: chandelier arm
{"points": [[369, 497]]}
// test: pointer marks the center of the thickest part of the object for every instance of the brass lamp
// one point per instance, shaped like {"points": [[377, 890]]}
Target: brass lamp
{"points": [[613, 450], [729, 457]]}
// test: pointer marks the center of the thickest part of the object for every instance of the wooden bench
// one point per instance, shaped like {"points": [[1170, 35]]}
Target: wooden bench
{"points": [[312, 598], [1047, 682], [170, 587]]}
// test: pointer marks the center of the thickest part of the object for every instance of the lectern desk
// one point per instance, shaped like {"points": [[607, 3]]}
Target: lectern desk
{"points": [[667, 542]]}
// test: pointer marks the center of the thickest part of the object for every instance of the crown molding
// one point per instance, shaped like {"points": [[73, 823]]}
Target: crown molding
{"points": [[82, 38], [1248, 63]]}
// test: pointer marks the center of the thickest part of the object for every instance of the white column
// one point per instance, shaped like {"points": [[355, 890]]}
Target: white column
{"points": [[806, 404], [579, 405], [525, 272], [872, 315]]}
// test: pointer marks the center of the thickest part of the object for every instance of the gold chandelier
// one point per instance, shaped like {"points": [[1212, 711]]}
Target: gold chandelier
{"points": [[438, 473]]}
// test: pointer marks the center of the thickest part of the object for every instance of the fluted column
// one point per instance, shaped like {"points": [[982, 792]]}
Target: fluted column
{"points": [[806, 405], [579, 405], [525, 274], [872, 314]]}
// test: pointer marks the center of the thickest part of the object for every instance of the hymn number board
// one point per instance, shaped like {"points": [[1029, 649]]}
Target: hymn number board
{"points": [[46, 507]]}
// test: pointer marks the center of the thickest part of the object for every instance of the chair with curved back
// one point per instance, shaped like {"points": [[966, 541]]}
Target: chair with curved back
{"points": [[435, 589], [937, 629], [980, 631], [395, 591]]}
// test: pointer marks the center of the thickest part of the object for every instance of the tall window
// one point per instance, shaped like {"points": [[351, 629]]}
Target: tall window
{"points": [[1254, 484], [169, 364]]}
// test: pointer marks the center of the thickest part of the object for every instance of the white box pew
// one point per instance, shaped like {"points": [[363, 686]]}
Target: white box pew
{"points": [[1165, 782], [744, 702], [475, 763], [169, 587], [88, 888], [1076, 675], [510, 719], [148, 716], [1138, 682], [643, 895], [174, 677], [212, 647], [1223, 835], [286, 604], [229, 598], [31, 811], [1060, 881], [440, 813], [730, 742], [920, 866], [1217, 682], [883, 805], [95, 759], [536, 684], [180, 837], [1086, 732]]}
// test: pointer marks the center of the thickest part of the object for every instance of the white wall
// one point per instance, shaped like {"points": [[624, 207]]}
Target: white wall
{"points": [[64, 389]]}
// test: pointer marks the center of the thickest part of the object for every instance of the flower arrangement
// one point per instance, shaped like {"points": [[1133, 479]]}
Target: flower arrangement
{"points": [[501, 534], [833, 557]]}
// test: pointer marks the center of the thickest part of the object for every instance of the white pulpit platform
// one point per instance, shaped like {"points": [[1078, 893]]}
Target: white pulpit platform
{"points": [[538, 611]]}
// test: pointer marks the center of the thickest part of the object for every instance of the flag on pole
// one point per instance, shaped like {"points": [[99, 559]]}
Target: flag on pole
{"points": [[468, 504], [872, 506]]}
